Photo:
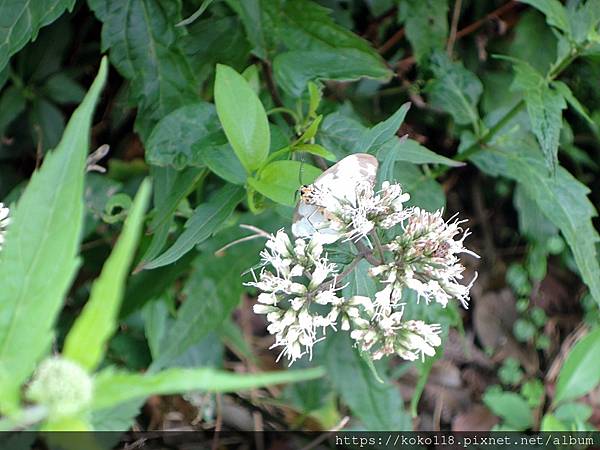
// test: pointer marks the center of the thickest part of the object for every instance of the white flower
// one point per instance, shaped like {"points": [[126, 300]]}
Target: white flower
{"points": [[4, 222], [304, 279], [426, 258], [417, 337]]}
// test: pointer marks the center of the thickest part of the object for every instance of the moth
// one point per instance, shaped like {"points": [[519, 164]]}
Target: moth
{"points": [[311, 219]]}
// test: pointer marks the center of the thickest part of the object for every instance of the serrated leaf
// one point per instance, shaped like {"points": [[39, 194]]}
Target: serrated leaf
{"points": [[46, 227], [204, 222], [112, 388], [280, 180], [555, 12], [566, 92], [314, 45], [144, 47], [544, 108], [23, 19], [561, 198], [294, 70], [86, 341], [426, 25], [455, 90], [580, 372], [243, 118], [172, 141]]}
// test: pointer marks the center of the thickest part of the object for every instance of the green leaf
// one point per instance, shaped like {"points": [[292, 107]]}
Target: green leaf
{"points": [[62, 89], [425, 192], [216, 40], [580, 372], [112, 388], [511, 407], [145, 286], [551, 423], [222, 161], [45, 228], [561, 198], [171, 187], [375, 137], [455, 90], [86, 341], [144, 47], [294, 70], [565, 91], [555, 12], [243, 118], [23, 19], [316, 149], [280, 180], [12, 103], [172, 140], [378, 406], [544, 107], [573, 412], [426, 25], [340, 134], [207, 218]]}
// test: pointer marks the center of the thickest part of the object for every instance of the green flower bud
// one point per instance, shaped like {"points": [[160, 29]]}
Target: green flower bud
{"points": [[62, 386]]}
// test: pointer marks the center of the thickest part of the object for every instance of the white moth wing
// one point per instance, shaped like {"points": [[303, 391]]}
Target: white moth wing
{"points": [[340, 181]]}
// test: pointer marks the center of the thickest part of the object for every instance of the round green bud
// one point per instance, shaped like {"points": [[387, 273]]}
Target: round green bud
{"points": [[62, 386]]}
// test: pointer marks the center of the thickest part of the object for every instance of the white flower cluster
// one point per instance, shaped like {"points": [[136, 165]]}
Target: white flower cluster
{"points": [[425, 259], [360, 211], [301, 298], [295, 295], [4, 221]]}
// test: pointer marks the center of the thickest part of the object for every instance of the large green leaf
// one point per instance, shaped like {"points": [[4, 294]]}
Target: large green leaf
{"points": [[39, 259], [144, 47], [207, 218], [172, 140], [544, 107], [293, 70], [555, 12], [112, 388], [561, 198], [426, 25], [580, 372], [455, 90], [373, 138], [318, 47], [87, 339], [243, 118], [21, 21], [280, 180]]}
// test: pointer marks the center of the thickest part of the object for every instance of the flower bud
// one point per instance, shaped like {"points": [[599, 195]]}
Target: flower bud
{"points": [[62, 386]]}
